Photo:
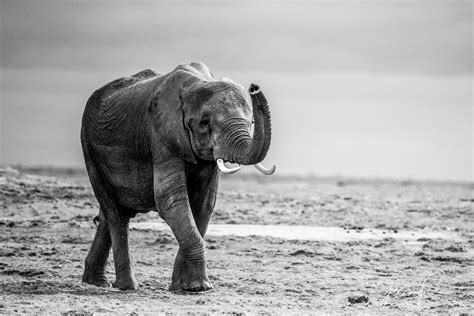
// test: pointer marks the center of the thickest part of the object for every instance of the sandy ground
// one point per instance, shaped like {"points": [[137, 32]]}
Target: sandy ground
{"points": [[46, 229]]}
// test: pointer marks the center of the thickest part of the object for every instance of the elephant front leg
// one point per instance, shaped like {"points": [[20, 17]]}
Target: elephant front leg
{"points": [[183, 276], [202, 190], [172, 202]]}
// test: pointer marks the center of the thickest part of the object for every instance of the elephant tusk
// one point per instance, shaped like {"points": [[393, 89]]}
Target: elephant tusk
{"points": [[224, 169], [264, 170]]}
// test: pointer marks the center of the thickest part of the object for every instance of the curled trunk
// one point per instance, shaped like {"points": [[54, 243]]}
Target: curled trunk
{"points": [[237, 144], [258, 147]]}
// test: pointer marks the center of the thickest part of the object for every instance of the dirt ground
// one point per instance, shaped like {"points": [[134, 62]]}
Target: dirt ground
{"points": [[46, 230]]}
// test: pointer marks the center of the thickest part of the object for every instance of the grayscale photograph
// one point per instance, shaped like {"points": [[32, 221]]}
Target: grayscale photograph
{"points": [[239, 157]]}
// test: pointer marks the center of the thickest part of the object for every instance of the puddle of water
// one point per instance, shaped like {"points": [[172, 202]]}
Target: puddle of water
{"points": [[307, 232]]}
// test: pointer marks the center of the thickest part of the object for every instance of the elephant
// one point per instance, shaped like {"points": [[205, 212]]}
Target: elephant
{"points": [[154, 142]]}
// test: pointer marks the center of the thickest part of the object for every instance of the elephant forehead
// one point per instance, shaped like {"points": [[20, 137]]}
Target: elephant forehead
{"points": [[228, 99], [218, 97], [226, 106]]}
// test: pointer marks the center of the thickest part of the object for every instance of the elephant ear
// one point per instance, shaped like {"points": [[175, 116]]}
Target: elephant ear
{"points": [[202, 70], [170, 134]]}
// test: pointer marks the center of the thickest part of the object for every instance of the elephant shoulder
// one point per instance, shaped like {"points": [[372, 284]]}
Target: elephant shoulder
{"points": [[203, 69], [197, 69], [181, 77]]}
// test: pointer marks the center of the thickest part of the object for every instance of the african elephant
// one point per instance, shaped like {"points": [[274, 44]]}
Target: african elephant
{"points": [[157, 142]]}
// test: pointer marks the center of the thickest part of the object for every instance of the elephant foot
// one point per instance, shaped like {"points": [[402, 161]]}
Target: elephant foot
{"points": [[191, 282], [126, 283], [96, 279]]}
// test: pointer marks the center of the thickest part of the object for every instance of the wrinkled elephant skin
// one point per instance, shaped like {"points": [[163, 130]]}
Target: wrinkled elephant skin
{"points": [[151, 142]]}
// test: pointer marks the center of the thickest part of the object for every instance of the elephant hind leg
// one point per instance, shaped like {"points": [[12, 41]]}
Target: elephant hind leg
{"points": [[96, 260], [117, 220], [125, 277], [112, 231]]}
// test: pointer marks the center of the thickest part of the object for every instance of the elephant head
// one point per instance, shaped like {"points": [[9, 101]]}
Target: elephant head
{"points": [[224, 127], [221, 122]]}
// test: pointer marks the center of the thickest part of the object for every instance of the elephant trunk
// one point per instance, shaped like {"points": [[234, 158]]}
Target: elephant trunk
{"points": [[257, 149], [239, 145]]}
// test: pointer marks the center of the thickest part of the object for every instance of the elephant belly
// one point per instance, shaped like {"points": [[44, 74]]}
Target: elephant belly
{"points": [[136, 193], [131, 182]]}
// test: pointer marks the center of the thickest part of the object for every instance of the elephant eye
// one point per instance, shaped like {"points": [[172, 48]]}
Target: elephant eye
{"points": [[206, 125]]}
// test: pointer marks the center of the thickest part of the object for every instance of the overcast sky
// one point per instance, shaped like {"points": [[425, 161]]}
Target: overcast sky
{"points": [[421, 37], [364, 88]]}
